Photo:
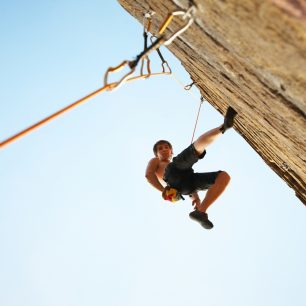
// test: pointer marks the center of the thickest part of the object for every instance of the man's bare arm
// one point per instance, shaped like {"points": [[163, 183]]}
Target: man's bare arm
{"points": [[151, 174]]}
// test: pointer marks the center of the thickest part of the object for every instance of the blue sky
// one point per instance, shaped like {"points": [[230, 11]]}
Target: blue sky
{"points": [[79, 224]]}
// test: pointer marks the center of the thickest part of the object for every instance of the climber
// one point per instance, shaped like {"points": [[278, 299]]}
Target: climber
{"points": [[175, 178]]}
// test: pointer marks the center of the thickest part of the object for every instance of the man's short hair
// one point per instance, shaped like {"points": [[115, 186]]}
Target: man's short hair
{"points": [[161, 142]]}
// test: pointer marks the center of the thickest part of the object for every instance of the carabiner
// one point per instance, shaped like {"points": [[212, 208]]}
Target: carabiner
{"points": [[185, 14], [165, 63], [148, 66], [115, 69], [188, 87]]}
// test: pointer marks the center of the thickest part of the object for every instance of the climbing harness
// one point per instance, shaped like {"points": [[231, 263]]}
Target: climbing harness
{"points": [[161, 39]]}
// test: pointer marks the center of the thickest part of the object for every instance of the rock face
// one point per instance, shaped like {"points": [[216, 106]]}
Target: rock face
{"points": [[251, 55]]}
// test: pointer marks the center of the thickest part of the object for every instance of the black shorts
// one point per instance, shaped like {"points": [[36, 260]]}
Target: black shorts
{"points": [[180, 175]]}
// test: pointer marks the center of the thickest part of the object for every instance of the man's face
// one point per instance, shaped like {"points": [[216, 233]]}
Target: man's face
{"points": [[164, 152]]}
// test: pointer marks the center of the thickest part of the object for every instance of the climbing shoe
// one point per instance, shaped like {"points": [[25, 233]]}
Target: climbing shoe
{"points": [[228, 119], [202, 218]]}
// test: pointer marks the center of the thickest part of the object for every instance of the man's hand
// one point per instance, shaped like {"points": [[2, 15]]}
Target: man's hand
{"points": [[164, 193], [195, 199], [171, 194], [196, 202]]}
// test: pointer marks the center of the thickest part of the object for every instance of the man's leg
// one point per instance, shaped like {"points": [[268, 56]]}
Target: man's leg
{"points": [[222, 180], [206, 139], [199, 214], [215, 191], [209, 137]]}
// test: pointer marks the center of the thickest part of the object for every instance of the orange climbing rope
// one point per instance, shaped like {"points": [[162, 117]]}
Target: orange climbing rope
{"points": [[51, 117]]}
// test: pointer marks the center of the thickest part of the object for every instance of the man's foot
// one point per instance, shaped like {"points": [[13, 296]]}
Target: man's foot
{"points": [[228, 119], [202, 218]]}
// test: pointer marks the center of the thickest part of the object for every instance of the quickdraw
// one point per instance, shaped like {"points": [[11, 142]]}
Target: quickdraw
{"points": [[161, 40]]}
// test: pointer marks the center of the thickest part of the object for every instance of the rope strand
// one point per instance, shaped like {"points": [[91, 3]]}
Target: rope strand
{"points": [[196, 123], [188, 87]]}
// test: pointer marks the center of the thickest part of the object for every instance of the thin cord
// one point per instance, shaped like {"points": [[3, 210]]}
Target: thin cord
{"points": [[196, 98], [183, 85], [196, 123]]}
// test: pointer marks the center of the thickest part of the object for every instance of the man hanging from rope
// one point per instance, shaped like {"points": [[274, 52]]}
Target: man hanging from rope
{"points": [[176, 178]]}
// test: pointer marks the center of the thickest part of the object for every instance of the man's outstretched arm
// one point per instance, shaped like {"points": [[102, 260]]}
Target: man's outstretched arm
{"points": [[151, 174]]}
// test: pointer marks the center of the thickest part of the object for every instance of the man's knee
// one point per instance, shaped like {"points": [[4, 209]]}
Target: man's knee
{"points": [[223, 177]]}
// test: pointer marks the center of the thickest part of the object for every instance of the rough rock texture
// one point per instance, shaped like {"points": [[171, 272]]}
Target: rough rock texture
{"points": [[249, 54]]}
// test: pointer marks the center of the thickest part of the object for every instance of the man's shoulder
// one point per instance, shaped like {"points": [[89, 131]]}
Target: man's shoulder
{"points": [[154, 161]]}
